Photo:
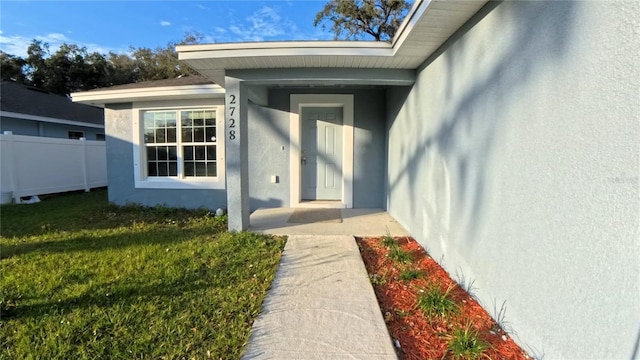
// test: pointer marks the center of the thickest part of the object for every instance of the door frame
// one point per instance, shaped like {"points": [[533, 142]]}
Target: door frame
{"points": [[299, 101]]}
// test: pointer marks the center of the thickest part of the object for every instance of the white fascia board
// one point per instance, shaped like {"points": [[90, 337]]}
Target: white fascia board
{"points": [[193, 54], [415, 14], [137, 94], [49, 119], [284, 45]]}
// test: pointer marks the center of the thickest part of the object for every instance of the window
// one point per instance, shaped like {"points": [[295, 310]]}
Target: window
{"points": [[100, 137], [76, 135], [179, 148]]}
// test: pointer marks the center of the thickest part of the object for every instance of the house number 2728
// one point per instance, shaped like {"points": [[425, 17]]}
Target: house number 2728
{"points": [[232, 121]]}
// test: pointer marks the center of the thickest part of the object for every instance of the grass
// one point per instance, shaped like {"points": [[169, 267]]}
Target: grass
{"points": [[83, 279], [465, 343], [437, 303]]}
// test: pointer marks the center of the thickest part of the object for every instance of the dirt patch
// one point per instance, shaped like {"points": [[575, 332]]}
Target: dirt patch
{"points": [[400, 284]]}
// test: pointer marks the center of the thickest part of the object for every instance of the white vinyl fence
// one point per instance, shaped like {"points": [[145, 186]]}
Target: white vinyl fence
{"points": [[34, 165]]}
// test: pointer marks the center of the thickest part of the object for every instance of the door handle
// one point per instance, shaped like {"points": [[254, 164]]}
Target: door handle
{"points": [[304, 160]]}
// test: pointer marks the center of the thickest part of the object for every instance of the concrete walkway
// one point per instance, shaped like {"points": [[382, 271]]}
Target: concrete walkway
{"points": [[321, 305]]}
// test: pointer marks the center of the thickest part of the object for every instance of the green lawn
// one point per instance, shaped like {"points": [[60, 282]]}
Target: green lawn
{"points": [[82, 279]]}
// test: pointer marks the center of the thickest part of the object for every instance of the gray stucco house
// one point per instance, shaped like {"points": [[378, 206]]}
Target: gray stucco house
{"points": [[504, 136], [25, 110]]}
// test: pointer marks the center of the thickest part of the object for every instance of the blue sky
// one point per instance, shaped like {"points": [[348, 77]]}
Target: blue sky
{"points": [[105, 26]]}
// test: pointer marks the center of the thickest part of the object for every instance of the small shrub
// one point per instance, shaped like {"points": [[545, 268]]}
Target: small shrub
{"points": [[400, 256], [410, 274], [389, 241], [377, 279], [465, 343], [437, 303], [401, 313]]}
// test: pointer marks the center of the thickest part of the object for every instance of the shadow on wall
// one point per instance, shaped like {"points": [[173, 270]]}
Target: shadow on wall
{"points": [[467, 129]]}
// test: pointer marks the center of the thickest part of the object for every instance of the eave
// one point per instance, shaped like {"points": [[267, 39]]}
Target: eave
{"points": [[106, 96]]}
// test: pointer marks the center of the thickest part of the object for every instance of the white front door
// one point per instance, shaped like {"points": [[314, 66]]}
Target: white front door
{"points": [[321, 153]]}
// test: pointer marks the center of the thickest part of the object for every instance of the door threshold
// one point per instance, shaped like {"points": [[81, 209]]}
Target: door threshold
{"points": [[326, 204]]}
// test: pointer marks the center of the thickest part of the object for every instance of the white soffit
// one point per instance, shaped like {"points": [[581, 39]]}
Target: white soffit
{"points": [[427, 26], [106, 96]]}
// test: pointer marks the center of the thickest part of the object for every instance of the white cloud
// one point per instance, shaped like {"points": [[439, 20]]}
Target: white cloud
{"points": [[18, 44], [262, 24], [165, 23]]}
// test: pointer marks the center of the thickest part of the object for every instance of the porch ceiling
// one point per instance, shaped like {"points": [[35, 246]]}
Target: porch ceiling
{"points": [[427, 26]]}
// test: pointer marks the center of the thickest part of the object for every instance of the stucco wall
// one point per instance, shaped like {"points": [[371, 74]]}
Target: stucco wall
{"points": [[515, 159], [369, 140], [268, 155], [122, 189]]}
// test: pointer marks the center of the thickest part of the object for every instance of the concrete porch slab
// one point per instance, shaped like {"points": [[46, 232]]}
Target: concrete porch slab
{"points": [[355, 222]]}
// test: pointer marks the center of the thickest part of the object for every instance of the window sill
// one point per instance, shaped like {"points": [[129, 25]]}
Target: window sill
{"points": [[174, 183]]}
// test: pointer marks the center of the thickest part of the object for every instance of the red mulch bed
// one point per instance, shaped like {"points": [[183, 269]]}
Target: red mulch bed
{"points": [[421, 337]]}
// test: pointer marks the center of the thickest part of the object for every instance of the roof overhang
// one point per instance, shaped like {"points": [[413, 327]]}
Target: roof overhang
{"points": [[48, 119], [427, 26], [106, 96]]}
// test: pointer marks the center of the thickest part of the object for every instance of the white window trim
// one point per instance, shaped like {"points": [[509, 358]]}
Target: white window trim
{"points": [[297, 102], [143, 182]]}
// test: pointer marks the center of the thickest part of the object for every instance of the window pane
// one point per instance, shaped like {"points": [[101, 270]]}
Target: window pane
{"points": [[187, 135], [212, 169], [151, 153], [210, 134], [198, 135], [148, 121], [163, 169], [189, 169], [210, 121], [171, 135], [188, 152], [200, 152], [186, 120], [160, 138], [201, 169], [148, 137], [162, 153], [171, 122], [211, 152], [173, 168], [198, 120], [173, 153], [152, 169], [161, 122]]}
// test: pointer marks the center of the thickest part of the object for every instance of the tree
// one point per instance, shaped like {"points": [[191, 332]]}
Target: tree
{"points": [[355, 18], [12, 67], [71, 68], [162, 63], [36, 67]]}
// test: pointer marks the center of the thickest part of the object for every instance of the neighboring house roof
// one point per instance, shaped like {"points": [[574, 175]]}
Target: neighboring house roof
{"points": [[29, 103]]}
